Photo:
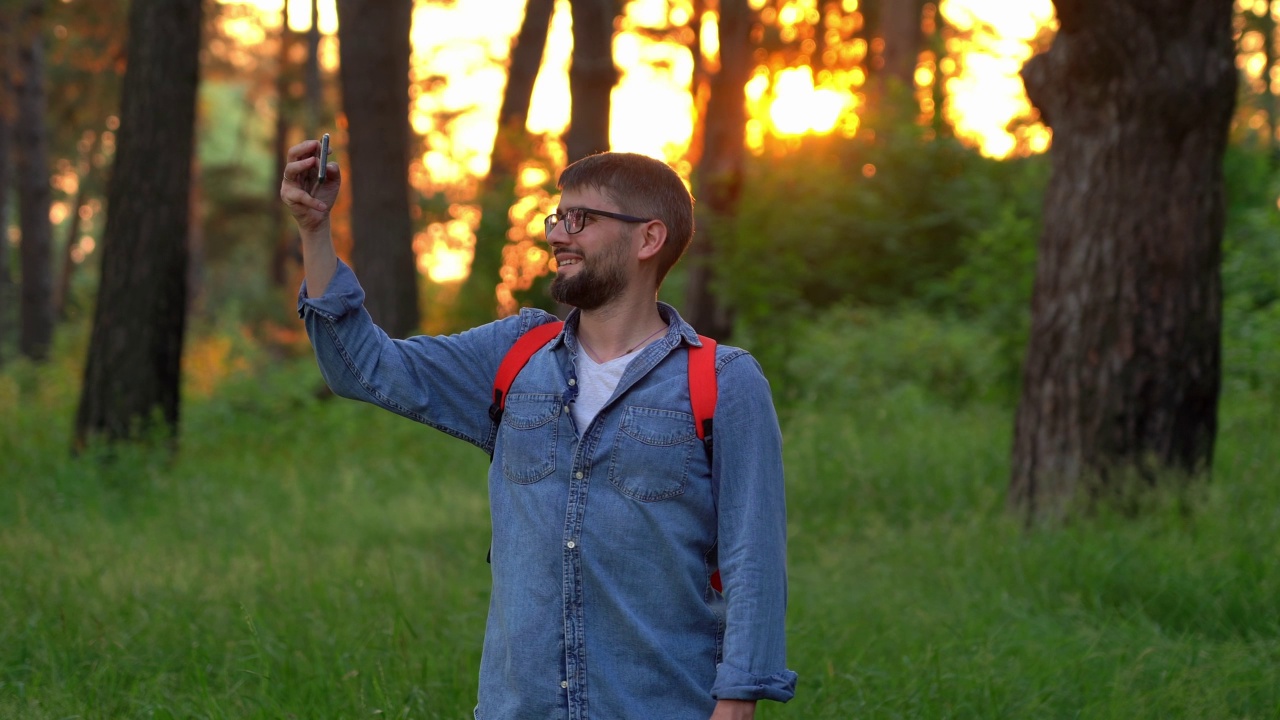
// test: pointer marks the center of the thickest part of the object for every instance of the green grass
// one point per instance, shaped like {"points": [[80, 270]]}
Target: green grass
{"points": [[322, 559]]}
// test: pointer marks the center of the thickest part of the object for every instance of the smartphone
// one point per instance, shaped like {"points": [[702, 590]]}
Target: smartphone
{"points": [[322, 168]]}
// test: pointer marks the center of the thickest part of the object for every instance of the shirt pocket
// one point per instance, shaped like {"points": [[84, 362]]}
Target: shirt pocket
{"points": [[651, 454], [530, 427]]}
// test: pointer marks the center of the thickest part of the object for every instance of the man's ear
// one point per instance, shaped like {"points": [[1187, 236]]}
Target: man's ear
{"points": [[653, 238]]}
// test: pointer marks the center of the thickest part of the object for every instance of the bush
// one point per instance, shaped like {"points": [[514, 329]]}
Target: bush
{"points": [[1251, 272], [845, 355], [867, 222]]}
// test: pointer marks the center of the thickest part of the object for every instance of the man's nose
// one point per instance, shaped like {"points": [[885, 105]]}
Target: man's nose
{"points": [[558, 236]]}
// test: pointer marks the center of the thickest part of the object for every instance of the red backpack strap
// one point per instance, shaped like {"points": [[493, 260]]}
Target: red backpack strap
{"points": [[514, 361], [702, 396], [702, 386]]}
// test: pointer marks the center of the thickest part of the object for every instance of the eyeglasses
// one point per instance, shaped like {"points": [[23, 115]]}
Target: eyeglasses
{"points": [[576, 218]]}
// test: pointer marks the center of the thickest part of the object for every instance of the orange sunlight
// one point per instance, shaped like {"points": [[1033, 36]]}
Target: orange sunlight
{"points": [[458, 75], [984, 91]]}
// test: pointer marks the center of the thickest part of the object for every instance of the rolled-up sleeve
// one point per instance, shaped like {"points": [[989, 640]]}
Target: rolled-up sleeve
{"points": [[752, 536], [442, 381]]}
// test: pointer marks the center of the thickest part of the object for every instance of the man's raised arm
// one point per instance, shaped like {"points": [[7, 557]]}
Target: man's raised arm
{"points": [[311, 213]]}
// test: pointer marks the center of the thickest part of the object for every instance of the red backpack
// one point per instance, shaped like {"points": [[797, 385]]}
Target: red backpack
{"points": [[702, 383]]}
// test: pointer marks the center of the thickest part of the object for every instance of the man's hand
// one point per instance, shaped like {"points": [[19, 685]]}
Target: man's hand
{"points": [[311, 213], [734, 710]]}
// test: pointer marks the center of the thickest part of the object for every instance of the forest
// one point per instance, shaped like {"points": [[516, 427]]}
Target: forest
{"points": [[1012, 269]]}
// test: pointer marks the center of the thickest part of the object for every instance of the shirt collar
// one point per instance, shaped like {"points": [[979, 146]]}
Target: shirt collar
{"points": [[676, 326]]}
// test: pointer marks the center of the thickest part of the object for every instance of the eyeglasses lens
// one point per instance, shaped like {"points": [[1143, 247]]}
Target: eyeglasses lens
{"points": [[572, 219]]}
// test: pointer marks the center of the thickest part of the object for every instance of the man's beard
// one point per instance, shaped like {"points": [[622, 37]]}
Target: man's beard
{"points": [[597, 282]]}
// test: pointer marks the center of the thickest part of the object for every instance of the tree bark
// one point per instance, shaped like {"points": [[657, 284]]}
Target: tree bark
{"points": [[8, 112], [699, 81], [134, 362], [286, 233], [1121, 380], [31, 138], [900, 30], [592, 76], [315, 92], [67, 269], [527, 49], [720, 170], [374, 43], [510, 148]]}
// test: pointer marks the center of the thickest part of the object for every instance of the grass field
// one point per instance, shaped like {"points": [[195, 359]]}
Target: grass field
{"points": [[321, 559]]}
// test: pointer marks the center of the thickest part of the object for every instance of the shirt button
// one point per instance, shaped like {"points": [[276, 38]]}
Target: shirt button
{"points": [[572, 381], [578, 475], [571, 545], [564, 684]]}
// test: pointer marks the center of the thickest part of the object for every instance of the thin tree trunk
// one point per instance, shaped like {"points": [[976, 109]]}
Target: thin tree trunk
{"points": [[592, 76], [67, 269], [286, 236], [374, 41], [315, 93], [869, 30], [1269, 97], [1122, 373], [34, 194], [510, 147], [720, 170], [134, 362], [699, 81], [8, 113], [900, 30]]}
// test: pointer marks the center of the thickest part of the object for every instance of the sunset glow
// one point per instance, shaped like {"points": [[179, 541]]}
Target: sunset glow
{"points": [[458, 75], [984, 91]]}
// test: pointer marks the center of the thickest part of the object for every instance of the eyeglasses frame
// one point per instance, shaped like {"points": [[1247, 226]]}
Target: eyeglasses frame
{"points": [[548, 225]]}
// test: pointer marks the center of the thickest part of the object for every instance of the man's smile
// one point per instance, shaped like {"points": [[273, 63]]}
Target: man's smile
{"points": [[566, 259]]}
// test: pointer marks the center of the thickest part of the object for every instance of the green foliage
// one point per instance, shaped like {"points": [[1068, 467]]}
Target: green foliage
{"points": [[935, 227], [236, 227], [868, 222], [1251, 273], [943, 243], [844, 354]]}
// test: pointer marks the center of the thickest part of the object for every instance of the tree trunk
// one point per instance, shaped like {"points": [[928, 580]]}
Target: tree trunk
{"points": [[1120, 388], [510, 147], [315, 92], [900, 30], [8, 112], [286, 233], [67, 269], [374, 42], [699, 81], [720, 170], [592, 76], [34, 194], [1269, 97], [134, 364]]}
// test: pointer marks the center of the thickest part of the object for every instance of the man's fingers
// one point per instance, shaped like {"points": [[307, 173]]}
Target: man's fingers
{"points": [[306, 148], [295, 171], [294, 195]]}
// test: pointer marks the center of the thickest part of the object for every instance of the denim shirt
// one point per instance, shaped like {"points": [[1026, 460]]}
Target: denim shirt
{"points": [[604, 537]]}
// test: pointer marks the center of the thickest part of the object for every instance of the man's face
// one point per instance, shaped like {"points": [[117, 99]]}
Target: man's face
{"points": [[593, 265]]}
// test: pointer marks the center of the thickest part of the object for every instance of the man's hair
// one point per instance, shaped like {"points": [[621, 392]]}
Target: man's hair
{"points": [[642, 186]]}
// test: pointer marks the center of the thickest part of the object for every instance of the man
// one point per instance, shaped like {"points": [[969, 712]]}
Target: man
{"points": [[609, 515]]}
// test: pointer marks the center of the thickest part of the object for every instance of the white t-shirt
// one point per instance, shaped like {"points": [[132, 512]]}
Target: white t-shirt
{"points": [[596, 383]]}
